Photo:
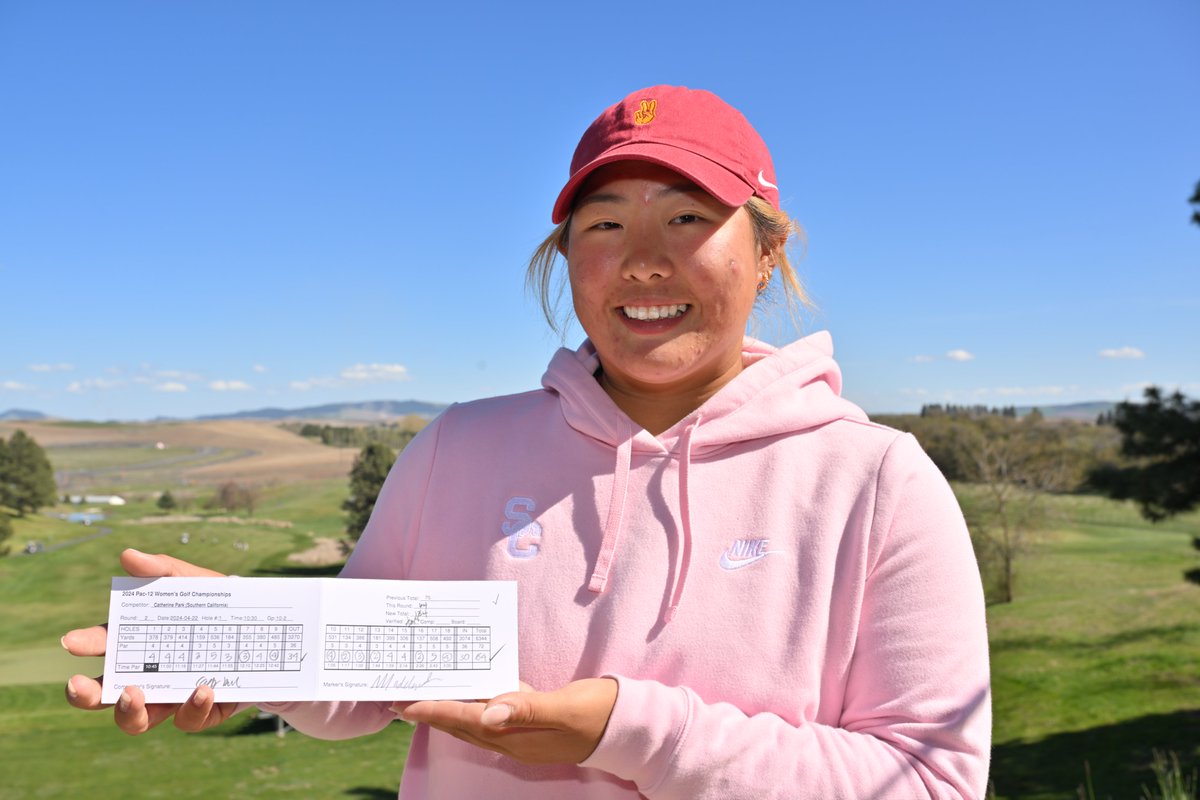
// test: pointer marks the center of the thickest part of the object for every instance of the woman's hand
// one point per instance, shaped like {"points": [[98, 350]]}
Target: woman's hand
{"points": [[559, 727], [132, 714]]}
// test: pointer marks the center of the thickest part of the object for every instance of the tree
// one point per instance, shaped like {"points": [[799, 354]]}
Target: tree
{"points": [[5, 532], [370, 469], [166, 501], [1160, 440], [1015, 463], [26, 477], [231, 496], [5, 471]]}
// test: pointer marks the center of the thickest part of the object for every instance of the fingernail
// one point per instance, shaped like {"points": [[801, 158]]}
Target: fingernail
{"points": [[71, 693], [63, 641], [496, 715], [123, 701], [199, 699]]}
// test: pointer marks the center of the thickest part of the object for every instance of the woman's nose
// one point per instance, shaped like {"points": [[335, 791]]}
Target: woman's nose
{"points": [[646, 255]]}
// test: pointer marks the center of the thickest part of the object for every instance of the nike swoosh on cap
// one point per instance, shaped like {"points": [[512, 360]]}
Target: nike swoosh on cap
{"points": [[766, 182]]}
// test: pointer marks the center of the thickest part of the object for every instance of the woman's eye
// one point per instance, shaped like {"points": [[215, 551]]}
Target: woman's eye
{"points": [[606, 226], [687, 218]]}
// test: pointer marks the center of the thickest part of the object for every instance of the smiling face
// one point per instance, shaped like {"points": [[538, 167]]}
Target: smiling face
{"points": [[663, 278]]}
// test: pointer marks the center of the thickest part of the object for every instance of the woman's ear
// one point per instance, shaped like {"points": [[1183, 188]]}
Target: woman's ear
{"points": [[563, 236], [766, 260]]}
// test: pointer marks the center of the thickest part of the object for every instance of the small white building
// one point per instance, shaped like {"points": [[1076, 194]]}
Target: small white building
{"points": [[98, 499]]}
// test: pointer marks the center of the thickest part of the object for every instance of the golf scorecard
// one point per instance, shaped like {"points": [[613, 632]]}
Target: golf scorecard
{"points": [[284, 639]]}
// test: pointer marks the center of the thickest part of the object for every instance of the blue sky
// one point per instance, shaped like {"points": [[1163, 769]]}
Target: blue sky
{"points": [[210, 207]]}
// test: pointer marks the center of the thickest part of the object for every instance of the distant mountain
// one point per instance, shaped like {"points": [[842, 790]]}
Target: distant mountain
{"points": [[369, 411], [21, 414], [1086, 412]]}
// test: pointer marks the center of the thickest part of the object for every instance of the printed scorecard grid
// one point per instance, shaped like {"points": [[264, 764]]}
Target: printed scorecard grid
{"points": [[397, 647], [209, 648]]}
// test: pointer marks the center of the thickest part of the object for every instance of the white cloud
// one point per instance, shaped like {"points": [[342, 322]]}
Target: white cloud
{"points": [[93, 384], [376, 372], [16, 386], [362, 373], [960, 355], [171, 386], [921, 359], [259, 368], [176, 375], [229, 386], [1122, 352], [51, 367]]}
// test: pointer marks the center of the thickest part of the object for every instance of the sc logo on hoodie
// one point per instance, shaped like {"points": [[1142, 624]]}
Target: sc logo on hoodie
{"points": [[523, 532]]}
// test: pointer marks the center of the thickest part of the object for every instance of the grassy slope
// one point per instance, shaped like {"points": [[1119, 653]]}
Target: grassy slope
{"points": [[1098, 657], [1096, 660], [66, 753]]}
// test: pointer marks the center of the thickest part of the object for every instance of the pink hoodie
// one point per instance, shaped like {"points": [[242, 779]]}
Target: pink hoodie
{"points": [[785, 591]]}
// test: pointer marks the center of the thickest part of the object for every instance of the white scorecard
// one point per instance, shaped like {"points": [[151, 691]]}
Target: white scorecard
{"points": [[279, 639]]}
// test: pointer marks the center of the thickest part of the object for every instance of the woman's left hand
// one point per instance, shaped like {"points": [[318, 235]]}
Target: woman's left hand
{"points": [[559, 727]]}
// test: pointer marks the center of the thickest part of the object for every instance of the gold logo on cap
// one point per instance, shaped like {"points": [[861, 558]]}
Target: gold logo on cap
{"points": [[645, 114]]}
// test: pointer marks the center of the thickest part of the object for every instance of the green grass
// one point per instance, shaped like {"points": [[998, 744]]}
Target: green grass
{"points": [[44, 595], [1097, 661], [130, 468], [1098, 658], [108, 457], [62, 752]]}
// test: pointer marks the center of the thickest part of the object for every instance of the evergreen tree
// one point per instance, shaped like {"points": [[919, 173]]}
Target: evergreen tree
{"points": [[5, 530], [26, 477], [366, 479], [1160, 440], [166, 501]]}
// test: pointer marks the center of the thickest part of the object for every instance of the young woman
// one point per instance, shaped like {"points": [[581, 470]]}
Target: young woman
{"points": [[732, 584]]}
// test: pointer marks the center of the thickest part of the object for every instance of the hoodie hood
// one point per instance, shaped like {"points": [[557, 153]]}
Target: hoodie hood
{"points": [[779, 391]]}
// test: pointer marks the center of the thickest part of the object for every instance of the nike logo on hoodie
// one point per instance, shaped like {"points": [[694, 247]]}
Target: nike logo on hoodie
{"points": [[744, 552]]}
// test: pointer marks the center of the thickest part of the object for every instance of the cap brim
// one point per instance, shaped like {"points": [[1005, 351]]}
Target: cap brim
{"points": [[705, 173]]}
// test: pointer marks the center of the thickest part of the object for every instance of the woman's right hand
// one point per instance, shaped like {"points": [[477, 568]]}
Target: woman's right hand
{"points": [[132, 713]]}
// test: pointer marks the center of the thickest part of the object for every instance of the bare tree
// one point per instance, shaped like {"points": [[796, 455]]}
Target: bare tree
{"points": [[231, 496], [1015, 464]]}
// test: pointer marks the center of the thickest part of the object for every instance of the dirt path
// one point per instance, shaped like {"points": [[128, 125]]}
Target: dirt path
{"points": [[324, 551]]}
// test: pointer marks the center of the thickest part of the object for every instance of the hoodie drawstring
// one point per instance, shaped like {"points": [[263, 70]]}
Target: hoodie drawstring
{"points": [[683, 554], [616, 514], [616, 519]]}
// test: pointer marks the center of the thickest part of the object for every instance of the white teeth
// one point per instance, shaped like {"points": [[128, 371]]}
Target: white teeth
{"points": [[654, 312]]}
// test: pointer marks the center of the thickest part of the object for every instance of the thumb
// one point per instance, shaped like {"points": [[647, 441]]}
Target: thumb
{"points": [[516, 709], [496, 715], [145, 565]]}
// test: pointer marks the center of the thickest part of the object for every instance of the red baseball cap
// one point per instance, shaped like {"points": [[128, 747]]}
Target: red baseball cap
{"points": [[690, 131]]}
